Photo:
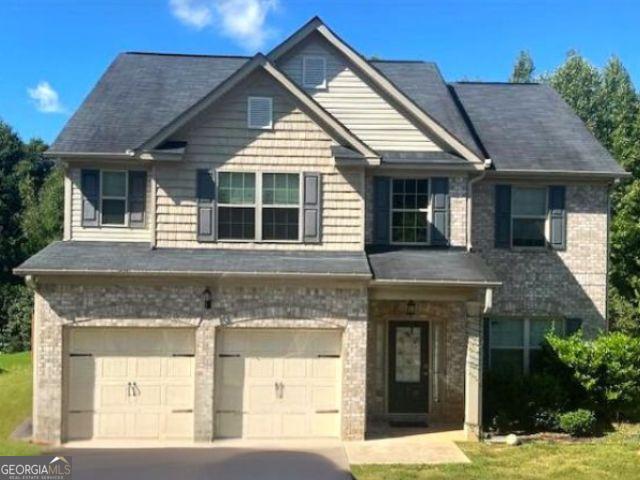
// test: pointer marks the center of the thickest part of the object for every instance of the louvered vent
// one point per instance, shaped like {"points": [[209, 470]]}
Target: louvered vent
{"points": [[314, 72], [259, 111]]}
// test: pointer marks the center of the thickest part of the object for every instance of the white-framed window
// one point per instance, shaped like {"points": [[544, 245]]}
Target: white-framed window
{"points": [[515, 343], [260, 112], [259, 206], [314, 71], [410, 211], [528, 216], [113, 198]]}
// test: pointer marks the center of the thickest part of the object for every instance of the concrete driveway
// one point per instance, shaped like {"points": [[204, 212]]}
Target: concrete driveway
{"points": [[273, 461]]}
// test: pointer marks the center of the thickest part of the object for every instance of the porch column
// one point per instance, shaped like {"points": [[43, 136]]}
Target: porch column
{"points": [[473, 372]]}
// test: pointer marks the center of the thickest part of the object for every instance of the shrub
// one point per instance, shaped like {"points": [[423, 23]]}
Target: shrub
{"points": [[578, 423], [15, 324]]}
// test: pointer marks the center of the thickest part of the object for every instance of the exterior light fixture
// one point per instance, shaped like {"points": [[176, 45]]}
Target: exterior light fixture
{"points": [[206, 296], [411, 307]]}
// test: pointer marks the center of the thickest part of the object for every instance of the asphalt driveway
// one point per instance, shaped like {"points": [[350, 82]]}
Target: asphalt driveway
{"points": [[219, 463]]}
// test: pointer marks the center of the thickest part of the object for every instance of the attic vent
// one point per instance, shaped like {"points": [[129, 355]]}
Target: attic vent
{"points": [[259, 112], [314, 72]]}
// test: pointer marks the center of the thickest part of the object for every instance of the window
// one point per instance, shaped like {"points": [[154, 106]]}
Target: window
{"points": [[280, 206], [515, 343], [314, 72], [236, 206], [528, 216], [410, 211], [114, 198], [259, 112]]}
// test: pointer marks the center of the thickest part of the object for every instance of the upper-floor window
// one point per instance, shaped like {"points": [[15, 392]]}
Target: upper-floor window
{"points": [[260, 112], [114, 198], [314, 71], [528, 216], [236, 205], [410, 212], [280, 206]]}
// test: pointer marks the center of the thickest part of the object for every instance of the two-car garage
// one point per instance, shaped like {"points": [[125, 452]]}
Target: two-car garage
{"points": [[139, 383]]}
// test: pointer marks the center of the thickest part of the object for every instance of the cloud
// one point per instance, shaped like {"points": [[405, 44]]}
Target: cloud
{"points": [[242, 20], [192, 13], [46, 98]]}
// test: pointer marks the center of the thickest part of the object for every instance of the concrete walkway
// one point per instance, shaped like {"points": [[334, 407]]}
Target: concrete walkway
{"points": [[220, 461], [411, 448]]}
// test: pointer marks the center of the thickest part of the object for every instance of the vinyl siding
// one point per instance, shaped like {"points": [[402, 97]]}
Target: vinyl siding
{"points": [[352, 101], [220, 139], [106, 234]]}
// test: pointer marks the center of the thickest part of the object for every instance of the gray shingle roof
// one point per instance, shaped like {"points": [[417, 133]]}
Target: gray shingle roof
{"points": [[113, 258], [417, 158], [422, 82], [530, 127], [137, 95], [433, 266]]}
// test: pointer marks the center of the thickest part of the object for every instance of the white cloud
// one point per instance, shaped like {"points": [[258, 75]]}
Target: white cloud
{"points": [[242, 20], [193, 13], [46, 98]]}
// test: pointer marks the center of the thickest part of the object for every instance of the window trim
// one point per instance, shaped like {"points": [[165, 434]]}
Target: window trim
{"points": [[258, 206], [428, 211], [111, 197], [544, 217], [322, 86], [249, 116]]}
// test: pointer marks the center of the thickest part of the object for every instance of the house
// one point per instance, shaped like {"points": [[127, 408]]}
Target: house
{"points": [[308, 243]]}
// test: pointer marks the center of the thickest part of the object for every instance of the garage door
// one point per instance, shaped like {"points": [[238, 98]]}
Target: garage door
{"points": [[127, 383], [278, 383]]}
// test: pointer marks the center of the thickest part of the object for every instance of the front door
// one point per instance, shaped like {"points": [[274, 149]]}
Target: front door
{"points": [[408, 367]]}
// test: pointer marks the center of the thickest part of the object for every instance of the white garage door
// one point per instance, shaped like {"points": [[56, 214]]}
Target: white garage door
{"points": [[278, 383], [130, 383]]}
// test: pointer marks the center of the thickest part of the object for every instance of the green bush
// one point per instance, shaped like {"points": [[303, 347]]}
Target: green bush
{"points": [[16, 306], [578, 423]]}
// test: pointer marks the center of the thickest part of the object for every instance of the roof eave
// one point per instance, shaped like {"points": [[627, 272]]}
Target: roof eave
{"points": [[603, 175], [440, 283]]}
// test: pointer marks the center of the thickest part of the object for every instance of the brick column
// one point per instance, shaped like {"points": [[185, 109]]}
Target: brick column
{"points": [[354, 380], [473, 372], [204, 378]]}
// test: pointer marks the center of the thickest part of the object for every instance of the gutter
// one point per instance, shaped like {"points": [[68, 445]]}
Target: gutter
{"points": [[441, 283], [561, 173], [488, 164]]}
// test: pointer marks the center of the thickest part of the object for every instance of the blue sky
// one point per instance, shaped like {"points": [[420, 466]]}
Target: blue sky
{"points": [[53, 51]]}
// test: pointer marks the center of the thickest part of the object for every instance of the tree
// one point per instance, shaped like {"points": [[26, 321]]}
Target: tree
{"points": [[523, 68]]}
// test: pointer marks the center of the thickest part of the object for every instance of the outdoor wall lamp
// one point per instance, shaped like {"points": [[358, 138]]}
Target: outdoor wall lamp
{"points": [[206, 297], [411, 307]]}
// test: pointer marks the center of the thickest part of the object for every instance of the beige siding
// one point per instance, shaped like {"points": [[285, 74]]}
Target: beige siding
{"points": [[106, 234], [352, 101], [220, 139]]}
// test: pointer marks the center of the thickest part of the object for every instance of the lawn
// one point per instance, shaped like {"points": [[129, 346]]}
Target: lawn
{"points": [[15, 401], [616, 456]]}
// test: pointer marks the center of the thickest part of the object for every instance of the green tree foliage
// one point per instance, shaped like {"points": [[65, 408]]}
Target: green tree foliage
{"points": [[523, 69]]}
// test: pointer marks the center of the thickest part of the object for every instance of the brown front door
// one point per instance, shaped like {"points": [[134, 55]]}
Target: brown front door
{"points": [[408, 367]]}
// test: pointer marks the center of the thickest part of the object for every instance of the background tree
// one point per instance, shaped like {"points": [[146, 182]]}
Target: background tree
{"points": [[523, 69]]}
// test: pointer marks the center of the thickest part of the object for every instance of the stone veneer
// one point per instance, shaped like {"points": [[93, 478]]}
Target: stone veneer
{"points": [[256, 306], [543, 282]]}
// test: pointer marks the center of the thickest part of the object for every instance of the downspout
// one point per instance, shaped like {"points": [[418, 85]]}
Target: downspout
{"points": [[488, 164]]}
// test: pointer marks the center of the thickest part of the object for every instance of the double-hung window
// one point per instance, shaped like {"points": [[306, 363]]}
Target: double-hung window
{"points": [[236, 206], [410, 211], [528, 216], [113, 198], [280, 206]]}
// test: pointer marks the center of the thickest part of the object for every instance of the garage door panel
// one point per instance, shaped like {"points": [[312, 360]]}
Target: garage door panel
{"points": [[325, 368], [179, 367], [149, 395], [112, 425], [324, 397], [260, 398], [294, 425], [179, 395], [179, 426], [145, 425], [113, 367], [260, 367], [294, 368], [113, 396], [260, 425], [150, 367], [325, 424]]}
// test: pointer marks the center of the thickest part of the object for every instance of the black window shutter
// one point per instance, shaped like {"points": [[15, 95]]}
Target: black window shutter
{"points": [[572, 325], [557, 217], [90, 188], [440, 206], [503, 216], [312, 207], [137, 198], [486, 343], [206, 200], [381, 209]]}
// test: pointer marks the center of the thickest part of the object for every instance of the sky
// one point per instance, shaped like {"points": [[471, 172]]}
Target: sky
{"points": [[53, 52]]}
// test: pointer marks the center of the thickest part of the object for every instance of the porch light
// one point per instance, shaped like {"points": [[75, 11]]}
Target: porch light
{"points": [[411, 307], [206, 296]]}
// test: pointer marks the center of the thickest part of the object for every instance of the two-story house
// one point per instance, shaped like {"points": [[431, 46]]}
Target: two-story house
{"points": [[308, 244]]}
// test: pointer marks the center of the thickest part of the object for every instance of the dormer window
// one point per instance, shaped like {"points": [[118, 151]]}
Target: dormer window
{"points": [[314, 72], [260, 112]]}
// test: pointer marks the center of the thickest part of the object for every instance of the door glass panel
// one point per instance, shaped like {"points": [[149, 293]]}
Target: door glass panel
{"points": [[408, 354]]}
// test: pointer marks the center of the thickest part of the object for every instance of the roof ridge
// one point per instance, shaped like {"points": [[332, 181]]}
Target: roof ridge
{"points": [[471, 82], [385, 60], [171, 54]]}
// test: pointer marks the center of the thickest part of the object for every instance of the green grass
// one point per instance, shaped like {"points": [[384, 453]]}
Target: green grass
{"points": [[15, 401], [616, 456]]}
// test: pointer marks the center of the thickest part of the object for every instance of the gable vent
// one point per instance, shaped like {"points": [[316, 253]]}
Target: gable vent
{"points": [[259, 112], [314, 72]]}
